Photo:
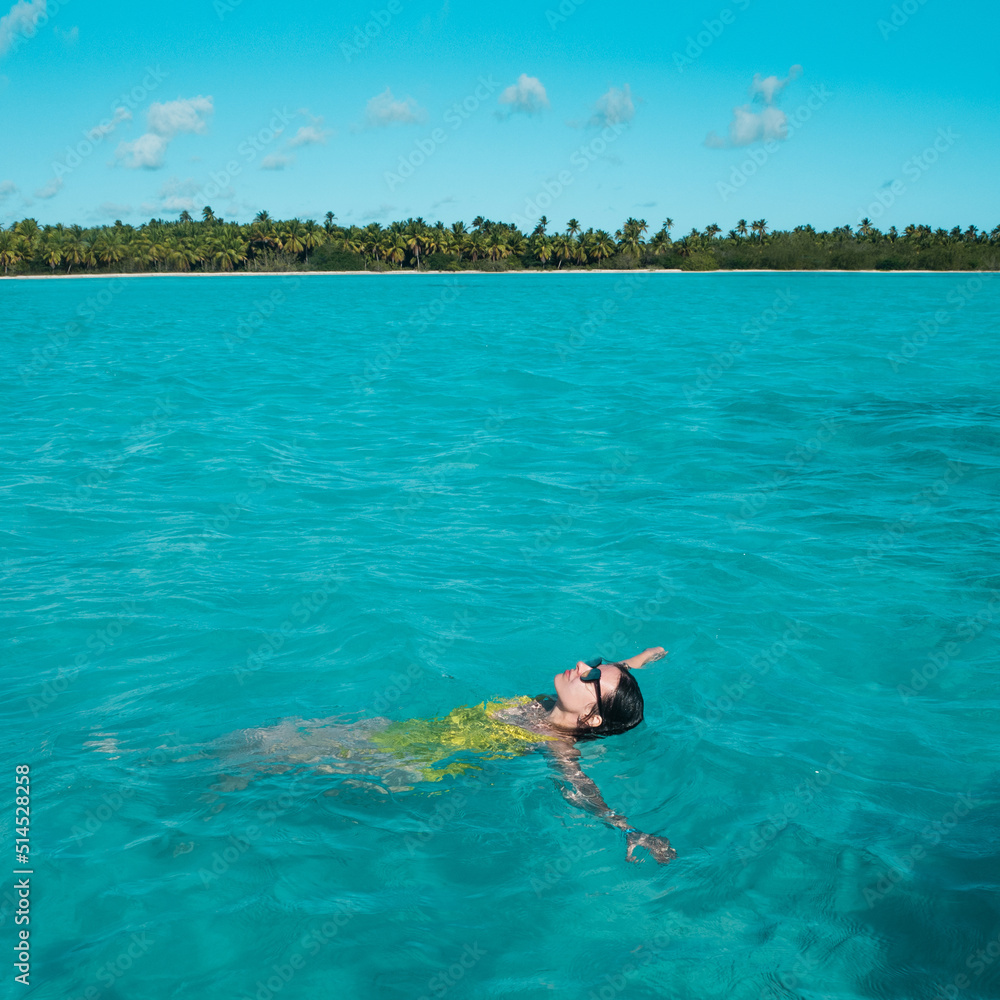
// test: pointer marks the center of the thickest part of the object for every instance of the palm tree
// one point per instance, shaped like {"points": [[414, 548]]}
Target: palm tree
{"points": [[352, 240], [601, 246], [52, 251], [760, 228], [159, 250], [475, 246], [181, 255], [634, 228], [74, 252], [414, 238], [394, 247], [741, 227], [668, 224], [11, 249], [293, 237], [478, 222], [563, 247], [865, 228], [496, 246], [661, 242], [207, 215], [185, 216], [229, 250], [263, 223], [630, 237], [313, 236], [262, 237], [371, 239], [540, 246], [328, 221], [572, 227], [28, 228], [712, 231], [108, 247]]}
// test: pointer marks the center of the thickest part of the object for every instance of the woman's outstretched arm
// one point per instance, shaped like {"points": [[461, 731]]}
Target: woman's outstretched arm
{"points": [[646, 656], [581, 791]]}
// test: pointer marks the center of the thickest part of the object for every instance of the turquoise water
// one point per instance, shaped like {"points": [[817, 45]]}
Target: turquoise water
{"points": [[235, 501]]}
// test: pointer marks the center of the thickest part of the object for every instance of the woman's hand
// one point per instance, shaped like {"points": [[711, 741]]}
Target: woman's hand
{"points": [[654, 654], [659, 847]]}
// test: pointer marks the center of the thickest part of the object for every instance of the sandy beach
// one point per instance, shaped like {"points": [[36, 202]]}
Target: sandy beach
{"points": [[376, 274]]}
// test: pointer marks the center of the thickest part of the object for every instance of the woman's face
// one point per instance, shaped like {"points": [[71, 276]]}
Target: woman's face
{"points": [[579, 698]]}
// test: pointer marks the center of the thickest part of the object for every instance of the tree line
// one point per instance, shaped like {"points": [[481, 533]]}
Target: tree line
{"points": [[268, 244]]}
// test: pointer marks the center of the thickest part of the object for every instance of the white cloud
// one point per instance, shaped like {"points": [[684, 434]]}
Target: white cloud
{"points": [[768, 87], [276, 161], [182, 195], [378, 213], [147, 151], [51, 189], [109, 125], [748, 125], [165, 120], [614, 107], [384, 109], [19, 23], [113, 208], [173, 186], [242, 207], [179, 195], [7, 188], [182, 115], [309, 135], [527, 95]]}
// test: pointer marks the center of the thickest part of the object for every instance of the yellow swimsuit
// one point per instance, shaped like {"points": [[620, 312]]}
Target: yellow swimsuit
{"points": [[426, 742]]}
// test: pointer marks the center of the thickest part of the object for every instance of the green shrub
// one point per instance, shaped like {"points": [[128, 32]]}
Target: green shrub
{"points": [[621, 262], [441, 262], [699, 261], [331, 258]]}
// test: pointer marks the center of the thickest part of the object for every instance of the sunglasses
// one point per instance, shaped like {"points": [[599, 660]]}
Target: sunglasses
{"points": [[593, 676]]}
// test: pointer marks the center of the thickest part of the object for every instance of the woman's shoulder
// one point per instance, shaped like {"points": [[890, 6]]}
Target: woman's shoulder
{"points": [[533, 703], [524, 711]]}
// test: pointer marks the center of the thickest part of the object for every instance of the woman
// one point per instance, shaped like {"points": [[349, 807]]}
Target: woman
{"points": [[593, 699]]}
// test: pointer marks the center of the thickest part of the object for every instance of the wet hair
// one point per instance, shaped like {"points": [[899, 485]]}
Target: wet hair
{"points": [[623, 710]]}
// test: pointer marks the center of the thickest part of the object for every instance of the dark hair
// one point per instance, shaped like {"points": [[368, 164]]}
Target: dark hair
{"points": [[623, 710]]}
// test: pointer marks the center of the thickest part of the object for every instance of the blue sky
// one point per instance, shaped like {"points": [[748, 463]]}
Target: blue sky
{"points": [[448, 109]]}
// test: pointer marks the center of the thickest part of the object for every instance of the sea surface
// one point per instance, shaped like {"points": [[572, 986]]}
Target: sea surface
{"points": [[250, 503]]}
